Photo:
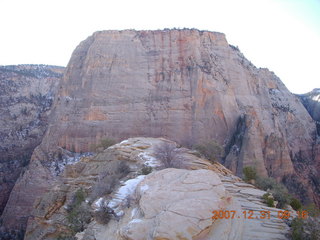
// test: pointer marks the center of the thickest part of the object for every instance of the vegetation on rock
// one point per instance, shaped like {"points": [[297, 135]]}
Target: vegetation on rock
{"points": [[167, 155], [104, 144], [78, 212], [211, 150]]}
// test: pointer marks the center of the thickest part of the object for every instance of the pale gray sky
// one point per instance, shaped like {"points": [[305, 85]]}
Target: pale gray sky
{"points": [[282, 35]]}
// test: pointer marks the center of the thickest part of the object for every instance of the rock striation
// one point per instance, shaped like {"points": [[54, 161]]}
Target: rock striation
{"points": [[186, 85], [26, 96], [165, 204]]}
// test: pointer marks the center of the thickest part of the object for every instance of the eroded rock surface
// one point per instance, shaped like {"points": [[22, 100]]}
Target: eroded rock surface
{"points": [[165, 204]]}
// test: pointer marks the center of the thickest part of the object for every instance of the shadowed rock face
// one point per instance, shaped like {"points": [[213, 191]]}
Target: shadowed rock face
{"points": [[311, 101], [26, 97], [185, 85]]}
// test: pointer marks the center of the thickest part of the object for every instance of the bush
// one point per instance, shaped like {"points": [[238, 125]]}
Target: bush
{"points": [[78, 212], [104, 144], [166, 153], [109, 179], [295, 204], [145, 170], [122, 168], [268, 199], [249, 173], [266, 183], [278, 190], [103, 186], [103, 215], [211, 150], [305, 229], [281, 195], [297, 229]]}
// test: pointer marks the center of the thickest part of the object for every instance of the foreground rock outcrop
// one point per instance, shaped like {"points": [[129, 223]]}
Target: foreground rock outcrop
{"points": [[186, 85], [26, 96], [165, 204]]}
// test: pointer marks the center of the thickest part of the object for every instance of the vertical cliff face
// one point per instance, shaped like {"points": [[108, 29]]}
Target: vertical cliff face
{"points": [[185, 85], [26, 97], [311, 101]]}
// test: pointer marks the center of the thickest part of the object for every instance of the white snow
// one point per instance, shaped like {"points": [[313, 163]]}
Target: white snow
{"points": [[316, 98], [58, 166], [124, 192], [136, 220], [99, 203], [148, 159], [124, 142]]}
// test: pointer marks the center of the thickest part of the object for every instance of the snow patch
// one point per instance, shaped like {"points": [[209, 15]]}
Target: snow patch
{"points": [[57, 167], [124, 142], [148, 159], [136, 220], [99, 203], [316, 98], [124, 193]]}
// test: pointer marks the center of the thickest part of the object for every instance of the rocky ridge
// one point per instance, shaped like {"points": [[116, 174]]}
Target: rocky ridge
{"points": [[26, 96], [165, 204]]}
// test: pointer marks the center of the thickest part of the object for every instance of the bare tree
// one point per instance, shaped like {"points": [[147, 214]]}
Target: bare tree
{"points": [[166, 153]]}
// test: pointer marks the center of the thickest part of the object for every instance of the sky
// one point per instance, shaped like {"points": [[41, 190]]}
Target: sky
{"points": [[281, 35]]}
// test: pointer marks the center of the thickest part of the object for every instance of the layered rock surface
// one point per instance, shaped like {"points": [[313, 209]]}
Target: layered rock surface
{"points": [[166, 204], [26, 96], [185, 85]]}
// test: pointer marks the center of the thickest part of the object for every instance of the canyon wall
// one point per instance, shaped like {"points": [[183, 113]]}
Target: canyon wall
{"points": [[26, 96]]}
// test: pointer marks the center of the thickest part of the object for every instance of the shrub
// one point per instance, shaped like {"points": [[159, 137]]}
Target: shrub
{"points": [[166, 153], [211, 150], [108, 179], [278, 190], [268, 199], [78, 212], [145, 170], [281, 195], [104, 144], [122, 168], [77, 199], [103, 186], [249, 173], [305, 229], [295, 204], [103, 215], [266, 183], [297, 229]]}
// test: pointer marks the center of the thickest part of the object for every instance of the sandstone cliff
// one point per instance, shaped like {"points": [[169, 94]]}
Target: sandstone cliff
{"points": [[26, 97], [165, 204], [311, 101], [186, 85]]}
